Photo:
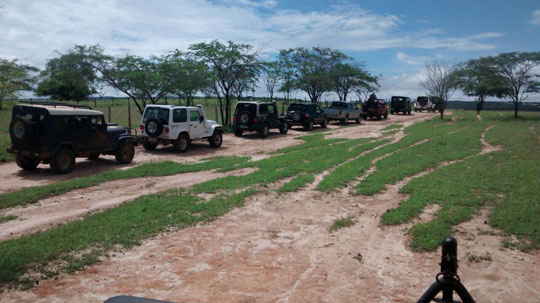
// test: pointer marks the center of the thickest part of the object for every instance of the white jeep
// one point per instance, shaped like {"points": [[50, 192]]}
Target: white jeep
{"points": [[178, 125]]}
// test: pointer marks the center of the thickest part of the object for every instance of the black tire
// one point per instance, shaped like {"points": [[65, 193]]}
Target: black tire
{"points": [[308, 125], [216, 139], [20, 130], [284, 128], [181, 144], [358, 120], [63, 161], [26, 163], [391, 112], [238, 132], [94, 156], [325, 123], [244, 118], [379, 117], [345, 121], [149, 145], [386, 115], [265, 131], [124, 153], [153, 128]]}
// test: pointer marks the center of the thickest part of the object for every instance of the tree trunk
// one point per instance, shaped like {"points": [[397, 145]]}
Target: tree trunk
{"points": [[516, 105]]}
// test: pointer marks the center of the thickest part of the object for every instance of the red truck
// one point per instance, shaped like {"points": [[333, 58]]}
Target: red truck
{"points": [[375, 108]]}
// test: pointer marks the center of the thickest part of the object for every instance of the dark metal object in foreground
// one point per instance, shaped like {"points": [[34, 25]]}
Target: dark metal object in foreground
{"points": [[447, 280], [130, 299]]}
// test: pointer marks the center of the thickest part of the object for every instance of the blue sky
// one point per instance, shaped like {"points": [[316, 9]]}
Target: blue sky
{"points": [[393, 38]]}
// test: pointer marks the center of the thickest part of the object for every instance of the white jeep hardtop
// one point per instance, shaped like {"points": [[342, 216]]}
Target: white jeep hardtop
{"points": [[178, 125]]}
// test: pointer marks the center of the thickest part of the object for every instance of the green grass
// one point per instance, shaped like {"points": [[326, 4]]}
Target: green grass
{"points": [[341, 223], [113, 229], [392, 127], [296, 183], [463, 188], [32, 194], [4, 219]]}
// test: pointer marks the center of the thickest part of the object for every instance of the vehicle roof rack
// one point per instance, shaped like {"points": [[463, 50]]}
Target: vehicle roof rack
{"points": [[50, 103]]}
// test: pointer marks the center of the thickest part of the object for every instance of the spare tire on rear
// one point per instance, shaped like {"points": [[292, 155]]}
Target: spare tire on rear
{"points": [[21, 130], [153, 128]]}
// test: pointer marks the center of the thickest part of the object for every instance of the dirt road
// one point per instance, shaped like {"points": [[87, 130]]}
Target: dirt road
{"points": [[277, 248]]}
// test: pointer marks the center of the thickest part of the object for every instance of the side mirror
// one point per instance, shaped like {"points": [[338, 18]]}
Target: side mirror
{"points": [[201, 118]]}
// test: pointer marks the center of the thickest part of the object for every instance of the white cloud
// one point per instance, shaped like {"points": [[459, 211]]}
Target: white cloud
{"points": [[411, 60], [535, 17], [32, 30]]}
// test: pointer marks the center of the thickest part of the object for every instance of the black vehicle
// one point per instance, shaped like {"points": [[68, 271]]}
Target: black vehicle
{"points": [[259, 117], [57, 134], [306, 115], [400, 104]]}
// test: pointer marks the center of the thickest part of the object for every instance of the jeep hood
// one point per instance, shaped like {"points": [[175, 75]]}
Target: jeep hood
{"points": [[212, 122], [115, 129]]}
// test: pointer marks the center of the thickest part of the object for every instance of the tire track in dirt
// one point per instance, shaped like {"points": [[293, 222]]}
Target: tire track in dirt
{"points": [[80, 202]]}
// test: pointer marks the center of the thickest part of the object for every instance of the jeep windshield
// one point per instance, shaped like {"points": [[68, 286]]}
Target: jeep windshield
{"points": [[338, 105], [398, 99], [250, 107], [162, 114], [422, 100]]}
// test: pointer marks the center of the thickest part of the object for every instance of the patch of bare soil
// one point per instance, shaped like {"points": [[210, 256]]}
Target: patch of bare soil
{"points": [[277, 248]]}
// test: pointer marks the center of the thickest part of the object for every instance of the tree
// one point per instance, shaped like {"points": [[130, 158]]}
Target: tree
{"points": [[440, 81], [67, 77], [479, 78], [346, 77], [15, 77], [140, 79], [517, 71], [229, 63], [271, 77], [286, 73], [312, 68], [185, 75]]}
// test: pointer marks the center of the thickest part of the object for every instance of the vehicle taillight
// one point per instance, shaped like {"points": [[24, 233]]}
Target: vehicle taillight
{"points": [[255, 120], [307, 115], [141, 127], [166, 130], [234, 118]]}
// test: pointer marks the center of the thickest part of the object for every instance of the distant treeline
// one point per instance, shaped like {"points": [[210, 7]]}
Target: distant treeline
{"points": [[494, 105]]}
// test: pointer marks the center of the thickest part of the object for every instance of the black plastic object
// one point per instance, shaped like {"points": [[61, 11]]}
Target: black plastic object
{"points": [[130, 299]]}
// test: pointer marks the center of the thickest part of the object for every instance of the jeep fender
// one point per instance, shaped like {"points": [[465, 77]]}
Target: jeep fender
{"points": [[65, 144], [182, 133]]}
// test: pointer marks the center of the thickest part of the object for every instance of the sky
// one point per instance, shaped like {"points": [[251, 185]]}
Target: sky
{"points": [[393, 38]]}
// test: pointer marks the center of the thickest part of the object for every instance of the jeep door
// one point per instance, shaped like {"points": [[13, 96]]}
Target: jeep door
{"points": [[81, 135], [196, 124], [179, 122], [273, 115], [97, 138]]}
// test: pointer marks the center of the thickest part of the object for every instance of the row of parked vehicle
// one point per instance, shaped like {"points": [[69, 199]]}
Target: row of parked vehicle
{"points": [[56, 134]]}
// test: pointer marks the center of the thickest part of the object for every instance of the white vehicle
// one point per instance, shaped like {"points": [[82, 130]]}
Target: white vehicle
{"points": [[178, 125]]}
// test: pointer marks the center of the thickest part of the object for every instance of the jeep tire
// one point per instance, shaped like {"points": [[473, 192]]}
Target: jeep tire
{"points": [[325, 123], [358, 120], [20, 130], [149, 145], [264, 131], [153, 128], [26, 163], [238, 132], [283, 129], [181, 144], [345, 121], [308, 125], [216, 139], [124, 153], [94, 156], [63, 161]]}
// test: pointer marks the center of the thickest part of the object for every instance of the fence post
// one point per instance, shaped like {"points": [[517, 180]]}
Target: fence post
{"points": [[129, 114], [216, 113], [109, 107]]}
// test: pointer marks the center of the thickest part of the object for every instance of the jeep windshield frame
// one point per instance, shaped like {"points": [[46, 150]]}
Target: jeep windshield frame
{"points": [[297, 107]]}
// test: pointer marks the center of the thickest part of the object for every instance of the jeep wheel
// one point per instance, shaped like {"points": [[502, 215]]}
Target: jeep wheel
{"points": [[238, 132], [284, 128], [391, 112], [309, 125], [20, 130], [153, 128], [386, 115], [358, 120], [345, 121], [125, 153], [216, 139], [26, 163], [325, 123], [94, 156], [63, 161], [265, 131], [149, 145], [379, 117], [181, 144]]}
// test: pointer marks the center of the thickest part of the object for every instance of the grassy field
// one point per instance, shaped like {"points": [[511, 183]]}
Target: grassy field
{"points": [[505, 181]]}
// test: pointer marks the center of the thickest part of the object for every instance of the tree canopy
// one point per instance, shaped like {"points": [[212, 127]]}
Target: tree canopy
{"points": [[15, 77]]}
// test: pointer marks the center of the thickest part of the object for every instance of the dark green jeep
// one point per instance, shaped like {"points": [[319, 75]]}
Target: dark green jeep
{"points": [[259, 117]]}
